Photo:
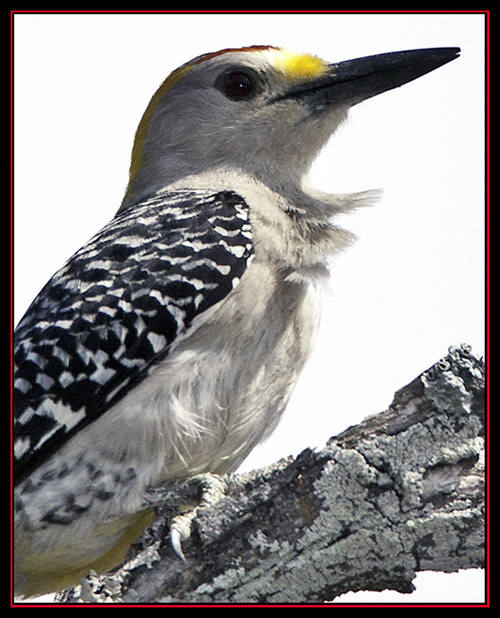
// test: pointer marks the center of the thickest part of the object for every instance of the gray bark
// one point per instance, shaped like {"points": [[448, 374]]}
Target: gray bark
{"points": [[401, 492]]}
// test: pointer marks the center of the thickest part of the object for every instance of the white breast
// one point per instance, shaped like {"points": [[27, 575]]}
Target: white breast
{"points": [[224, 385]]}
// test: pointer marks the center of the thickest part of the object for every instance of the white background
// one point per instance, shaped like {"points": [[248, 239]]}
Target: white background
{"points": [[410, 287]]}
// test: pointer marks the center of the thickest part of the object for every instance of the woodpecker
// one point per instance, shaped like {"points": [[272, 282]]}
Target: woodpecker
{"points": [[169, 345]]}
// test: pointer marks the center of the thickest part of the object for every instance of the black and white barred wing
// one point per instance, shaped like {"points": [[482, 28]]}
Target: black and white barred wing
{"points": [[116, 307]]}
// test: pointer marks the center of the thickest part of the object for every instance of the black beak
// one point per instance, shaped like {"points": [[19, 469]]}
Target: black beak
{"points": [[353, 81]]}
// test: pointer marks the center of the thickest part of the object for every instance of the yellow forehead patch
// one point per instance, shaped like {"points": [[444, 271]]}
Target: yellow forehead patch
{"points": [[298, 66]]}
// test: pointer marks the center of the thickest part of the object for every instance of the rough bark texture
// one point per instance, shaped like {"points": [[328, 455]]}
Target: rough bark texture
{"points": [[401, 492]]}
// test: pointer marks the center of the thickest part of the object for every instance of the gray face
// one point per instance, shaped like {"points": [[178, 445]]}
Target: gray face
{"points": [[266, 112], [234, 110]]}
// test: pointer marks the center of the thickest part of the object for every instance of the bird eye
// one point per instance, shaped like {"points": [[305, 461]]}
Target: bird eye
{"points": [[238, 84]]}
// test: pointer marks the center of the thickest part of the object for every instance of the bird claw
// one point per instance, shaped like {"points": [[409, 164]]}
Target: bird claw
{"points": [[208, 490], [199, 492], [180, 530]]}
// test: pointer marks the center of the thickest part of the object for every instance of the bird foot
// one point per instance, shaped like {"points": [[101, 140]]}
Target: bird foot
{"points": [[191, 497]]}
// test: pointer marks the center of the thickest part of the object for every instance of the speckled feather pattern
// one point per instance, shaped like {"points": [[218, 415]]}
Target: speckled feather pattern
{"points": [[116, 306]]}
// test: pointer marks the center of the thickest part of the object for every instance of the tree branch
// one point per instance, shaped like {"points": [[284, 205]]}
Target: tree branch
{"points": [[401, 492]]}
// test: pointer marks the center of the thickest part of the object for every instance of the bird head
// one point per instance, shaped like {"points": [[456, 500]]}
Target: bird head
{"points": [[262, 110]]}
